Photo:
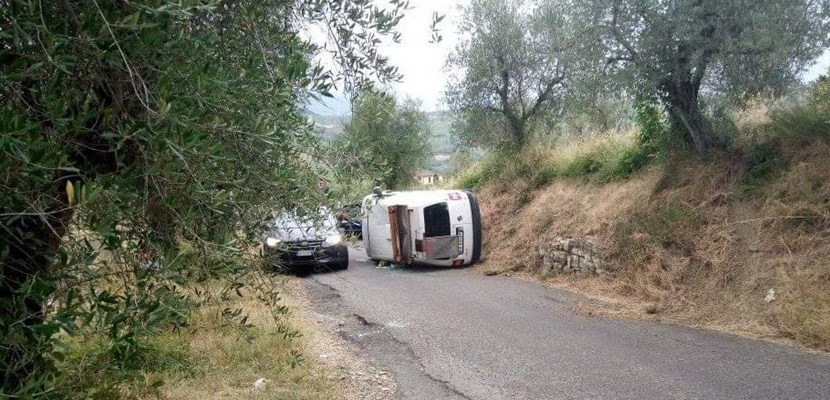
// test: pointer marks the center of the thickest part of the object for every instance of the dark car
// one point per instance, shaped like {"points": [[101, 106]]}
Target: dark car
{"points": [[349, 220], [302, 244]]}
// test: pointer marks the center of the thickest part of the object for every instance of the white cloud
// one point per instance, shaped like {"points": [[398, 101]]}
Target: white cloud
{"points": [[421, 62]]}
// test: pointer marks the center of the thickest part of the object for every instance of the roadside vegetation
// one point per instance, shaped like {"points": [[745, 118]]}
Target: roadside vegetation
{"points": [[384, 143], [696, 166], [701, 243], [217, 355], [142, 145]]}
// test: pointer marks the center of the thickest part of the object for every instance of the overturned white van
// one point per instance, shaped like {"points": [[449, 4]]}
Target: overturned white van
{"points": [[434, 227]]}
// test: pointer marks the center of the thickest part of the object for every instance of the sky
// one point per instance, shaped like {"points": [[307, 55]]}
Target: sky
{"points": [[422, 63]]}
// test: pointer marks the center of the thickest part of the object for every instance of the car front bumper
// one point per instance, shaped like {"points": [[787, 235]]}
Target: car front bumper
{"points": [[293, 256]]}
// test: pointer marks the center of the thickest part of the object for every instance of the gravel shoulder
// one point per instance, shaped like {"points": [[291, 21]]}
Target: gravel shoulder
{"points": [[356, 377]]}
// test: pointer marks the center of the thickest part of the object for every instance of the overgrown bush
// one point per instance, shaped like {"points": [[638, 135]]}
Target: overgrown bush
{"points": [[724, 129], [801, 122], [142, 143], [614, 159], [583, 166], [501, 165], [760, 163], [631, 160], [653, 129], [544, 176]]}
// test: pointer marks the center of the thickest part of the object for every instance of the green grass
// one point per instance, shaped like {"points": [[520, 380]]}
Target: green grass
{"points": [[600, 159], [606, 159], [92, 371]]}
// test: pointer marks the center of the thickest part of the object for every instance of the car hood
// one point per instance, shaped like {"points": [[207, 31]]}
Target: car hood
{"points": [[300, 233]]}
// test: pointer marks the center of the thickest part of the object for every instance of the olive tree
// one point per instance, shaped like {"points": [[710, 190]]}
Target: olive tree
{"points": [[389, 140], [141, 144], [677, 48], [509, 72]]}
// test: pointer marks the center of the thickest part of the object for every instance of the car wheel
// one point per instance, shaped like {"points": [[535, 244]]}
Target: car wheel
{"points": [[343, 264], [302, 272]]}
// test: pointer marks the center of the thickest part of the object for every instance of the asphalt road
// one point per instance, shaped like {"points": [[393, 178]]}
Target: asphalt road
{"points": [[450, 333]]}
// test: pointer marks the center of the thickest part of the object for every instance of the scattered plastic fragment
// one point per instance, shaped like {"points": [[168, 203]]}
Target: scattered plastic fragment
{"points": [[770, 296]]}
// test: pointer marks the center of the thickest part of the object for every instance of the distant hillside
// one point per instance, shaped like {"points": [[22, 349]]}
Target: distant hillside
{"points": [[330, 126]]}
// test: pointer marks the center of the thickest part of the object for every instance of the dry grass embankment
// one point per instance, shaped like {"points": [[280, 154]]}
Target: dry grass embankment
{"points": [[233, 359], [216, 357], [697, 243]]}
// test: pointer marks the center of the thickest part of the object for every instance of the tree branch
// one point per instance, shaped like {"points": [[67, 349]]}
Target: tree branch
{"points": [[545, 95], [503, 91], [615, 11]]}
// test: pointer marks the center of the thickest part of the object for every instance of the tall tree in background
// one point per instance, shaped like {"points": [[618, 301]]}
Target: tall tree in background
{"points": [[514, 61], [149, 127], [509, 73], [676, 48], [390, 140]]}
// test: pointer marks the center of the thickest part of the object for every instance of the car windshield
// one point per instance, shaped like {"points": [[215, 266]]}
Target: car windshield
{"points": [[294, 220]]}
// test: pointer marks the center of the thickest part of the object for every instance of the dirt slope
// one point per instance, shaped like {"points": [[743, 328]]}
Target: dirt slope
{"points": [[686, 243]]}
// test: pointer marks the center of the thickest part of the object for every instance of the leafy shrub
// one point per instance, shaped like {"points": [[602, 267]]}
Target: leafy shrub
{"points": [[472, 178], [724, 129], [652, 126], [631, 160], [583, 165], [544, 177], [801, 122], [761, 161], [611, 161], [820, 96]]}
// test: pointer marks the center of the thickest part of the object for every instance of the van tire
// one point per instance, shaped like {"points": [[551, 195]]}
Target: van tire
{"points": [[476, 212]]}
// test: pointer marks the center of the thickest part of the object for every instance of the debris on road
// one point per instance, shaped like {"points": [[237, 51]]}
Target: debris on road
{"points": [[770, 296]]}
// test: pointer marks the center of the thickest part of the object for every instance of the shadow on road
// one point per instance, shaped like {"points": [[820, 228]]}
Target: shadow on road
{"points": [[424, 268]]}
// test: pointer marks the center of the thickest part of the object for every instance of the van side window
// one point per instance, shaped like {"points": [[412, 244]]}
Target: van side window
{"points": [[437, 220]]}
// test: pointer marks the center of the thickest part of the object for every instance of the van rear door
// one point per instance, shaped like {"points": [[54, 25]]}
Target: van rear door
{"points": [[401, 233], [439, 243]]}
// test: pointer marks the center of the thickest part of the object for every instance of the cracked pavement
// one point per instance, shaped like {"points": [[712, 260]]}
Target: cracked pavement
{"points": [[455, 334]]}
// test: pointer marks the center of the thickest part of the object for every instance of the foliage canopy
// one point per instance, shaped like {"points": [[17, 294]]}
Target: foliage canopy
{"points": [[513, 63], [389, 141], [677, 49], [142, 144]]}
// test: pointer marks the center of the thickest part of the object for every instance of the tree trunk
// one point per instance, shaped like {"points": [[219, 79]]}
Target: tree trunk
{"points": [[682, 101], [697, 128], [517, 130]]}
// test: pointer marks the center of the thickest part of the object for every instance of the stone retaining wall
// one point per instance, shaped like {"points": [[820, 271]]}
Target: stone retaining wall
{"points": [[566, 256]]}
